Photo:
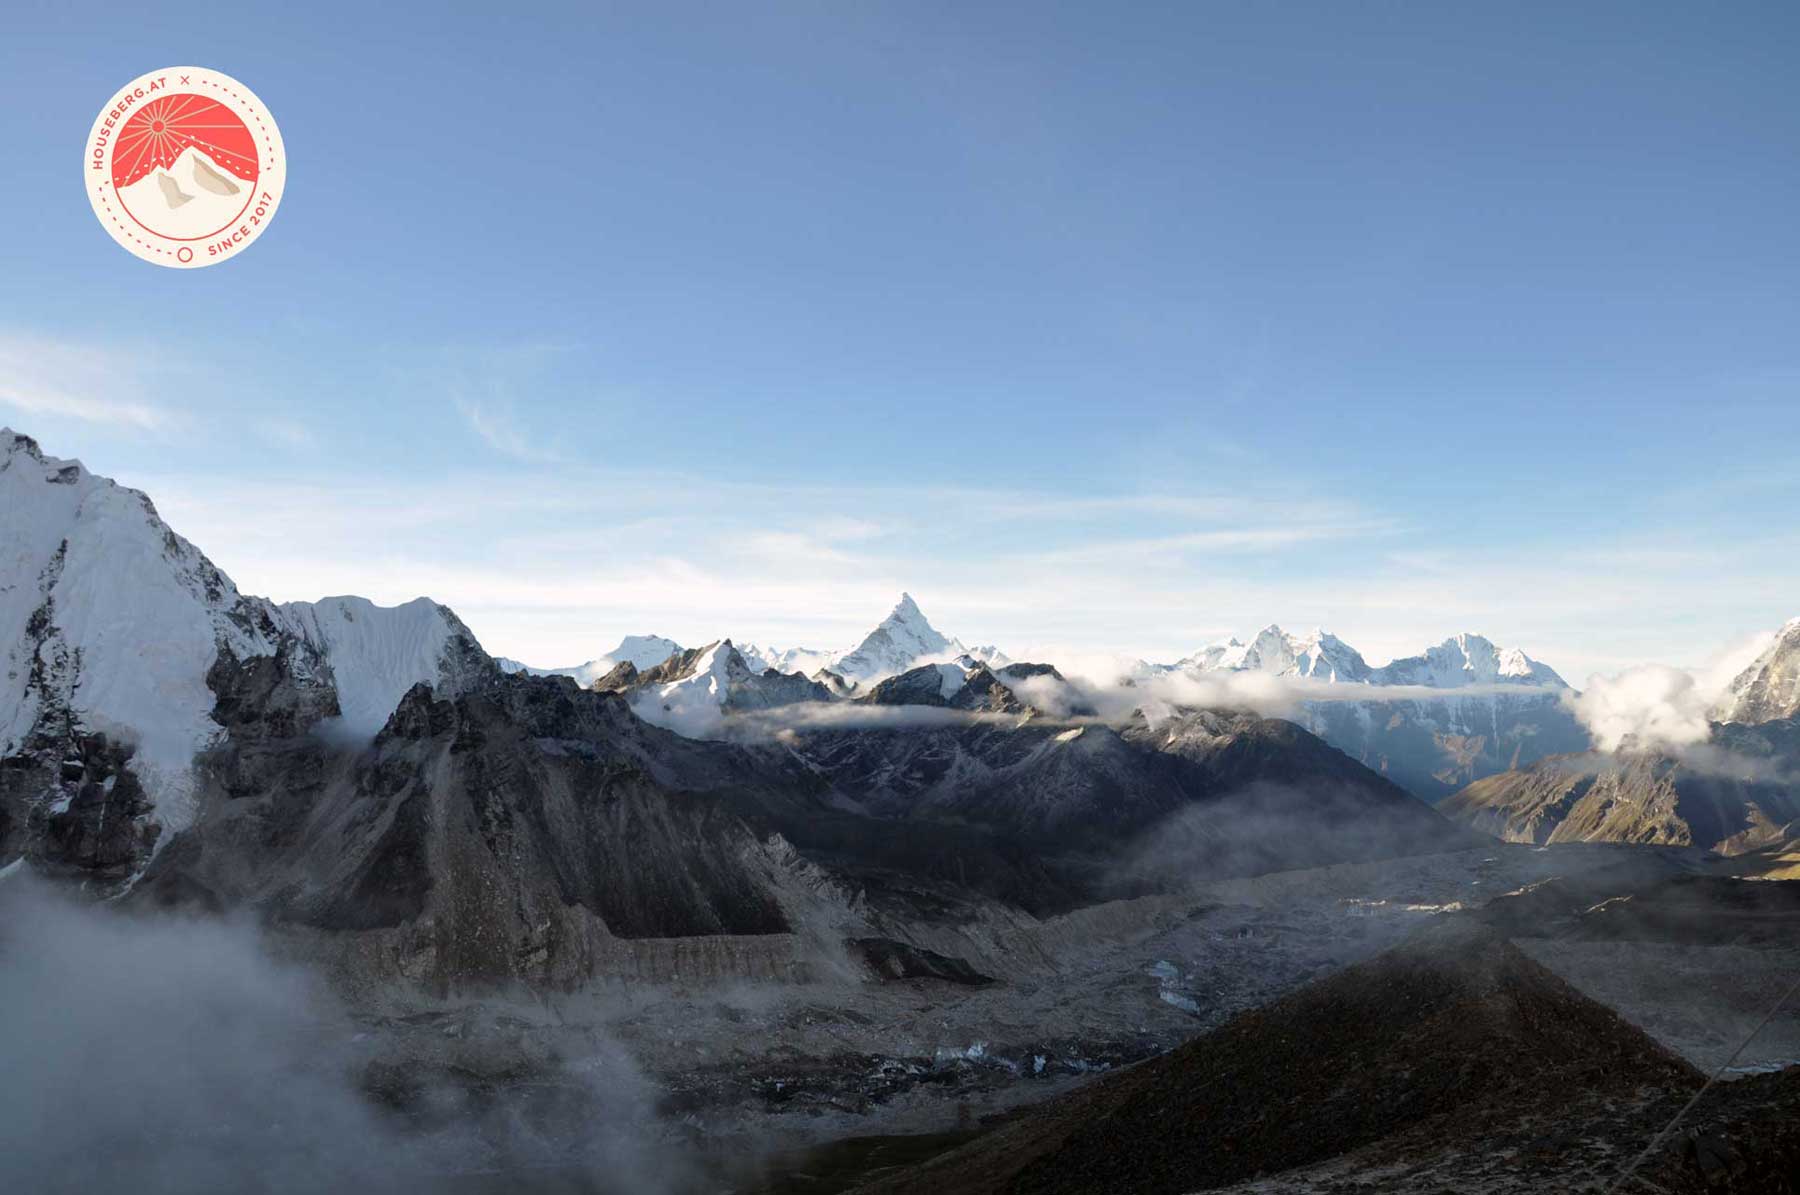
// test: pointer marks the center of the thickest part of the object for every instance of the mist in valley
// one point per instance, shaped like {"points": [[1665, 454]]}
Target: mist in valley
{"points": [[156, 1053]]}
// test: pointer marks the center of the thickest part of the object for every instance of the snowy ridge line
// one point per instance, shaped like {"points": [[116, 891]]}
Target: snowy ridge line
{"points": [[112, 624]]}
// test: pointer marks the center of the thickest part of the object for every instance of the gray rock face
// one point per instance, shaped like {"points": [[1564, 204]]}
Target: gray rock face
{"points": [[72, 803], [622, 677], [948, 686], [1736, 793], [1431, 747], [1089, 798], [515, 832], [972, 685], [1769, 688], [734, 686], [773, 688], [902, 960], [115, 630], [532, 830], [71, 800], [917, 686], [836, 685]]}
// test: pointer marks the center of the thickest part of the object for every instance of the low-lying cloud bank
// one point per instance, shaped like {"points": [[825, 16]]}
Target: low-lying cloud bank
{"points": [[166, 1057], [158, 1054], [1076, 699], [1652, 707], [1658, 708]]}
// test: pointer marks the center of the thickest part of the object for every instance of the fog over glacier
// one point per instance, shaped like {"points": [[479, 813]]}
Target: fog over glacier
{"points": [[169, 1054]]}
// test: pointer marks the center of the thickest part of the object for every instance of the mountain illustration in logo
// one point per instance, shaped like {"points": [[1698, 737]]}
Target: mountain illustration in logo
{"points": [[184, 166]]}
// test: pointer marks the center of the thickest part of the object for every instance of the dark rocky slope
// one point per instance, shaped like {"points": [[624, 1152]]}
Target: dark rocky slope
{"points": [[1451, 1063], [528, 828]]}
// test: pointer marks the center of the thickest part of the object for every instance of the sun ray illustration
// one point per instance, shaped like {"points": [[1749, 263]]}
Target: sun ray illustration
{"points": [[166, 127], [143, 149]]}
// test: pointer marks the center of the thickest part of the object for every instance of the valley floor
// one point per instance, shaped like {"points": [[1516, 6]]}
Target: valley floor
{"points": [[805, 1087]]}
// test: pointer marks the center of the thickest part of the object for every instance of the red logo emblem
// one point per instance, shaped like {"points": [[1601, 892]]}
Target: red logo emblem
{"points": [[185, 167]]}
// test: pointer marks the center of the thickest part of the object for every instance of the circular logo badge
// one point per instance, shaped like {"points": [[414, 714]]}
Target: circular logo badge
{"points": [[185, 167]]}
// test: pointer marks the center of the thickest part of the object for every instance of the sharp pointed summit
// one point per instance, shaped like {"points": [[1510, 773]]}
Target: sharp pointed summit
{"points": [[903, 640]]}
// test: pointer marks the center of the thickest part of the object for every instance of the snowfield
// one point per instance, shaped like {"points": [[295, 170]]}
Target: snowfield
{"points": [[112, 621]]}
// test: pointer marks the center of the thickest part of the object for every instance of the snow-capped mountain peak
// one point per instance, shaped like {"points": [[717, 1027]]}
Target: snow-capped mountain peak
{"points": [[1323, 656], [376, 653], [990, 655], [642, 652], [116, 628], [907, 624], [693, 692], [1468, 659], [804, 660], [903, 640], [1318, 654], [1458, 662], [717, 668]]}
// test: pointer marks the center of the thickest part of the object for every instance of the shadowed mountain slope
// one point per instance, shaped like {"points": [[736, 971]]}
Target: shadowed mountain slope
{"points": [[1453, 1038]]}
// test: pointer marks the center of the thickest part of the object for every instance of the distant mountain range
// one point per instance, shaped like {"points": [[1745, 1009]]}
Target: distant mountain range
{"points": [[1737, 792], [347, 766], [1457, 662], [369, 774], [1462, 709], [640, 651], [1432, 722]]}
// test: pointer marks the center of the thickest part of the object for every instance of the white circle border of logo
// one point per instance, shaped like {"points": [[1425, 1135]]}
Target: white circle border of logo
{"points": [[210, 246]]}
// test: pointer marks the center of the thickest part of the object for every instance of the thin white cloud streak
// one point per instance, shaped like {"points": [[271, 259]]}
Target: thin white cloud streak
{"points": [[44, 377], [31, 401], [501, 431], [1078, 700], [1236, 540], [289, 433], [550, 573], [669, 576]]}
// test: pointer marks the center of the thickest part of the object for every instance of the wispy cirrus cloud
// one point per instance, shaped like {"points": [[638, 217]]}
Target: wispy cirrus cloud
{"points": [[557, 572], [1274, 537], [490, 384], [288, 432], [46, 377], [499, 427]]}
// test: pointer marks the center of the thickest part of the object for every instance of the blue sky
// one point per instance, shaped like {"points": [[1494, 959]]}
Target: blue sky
{"points": [[1113, 327]]}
